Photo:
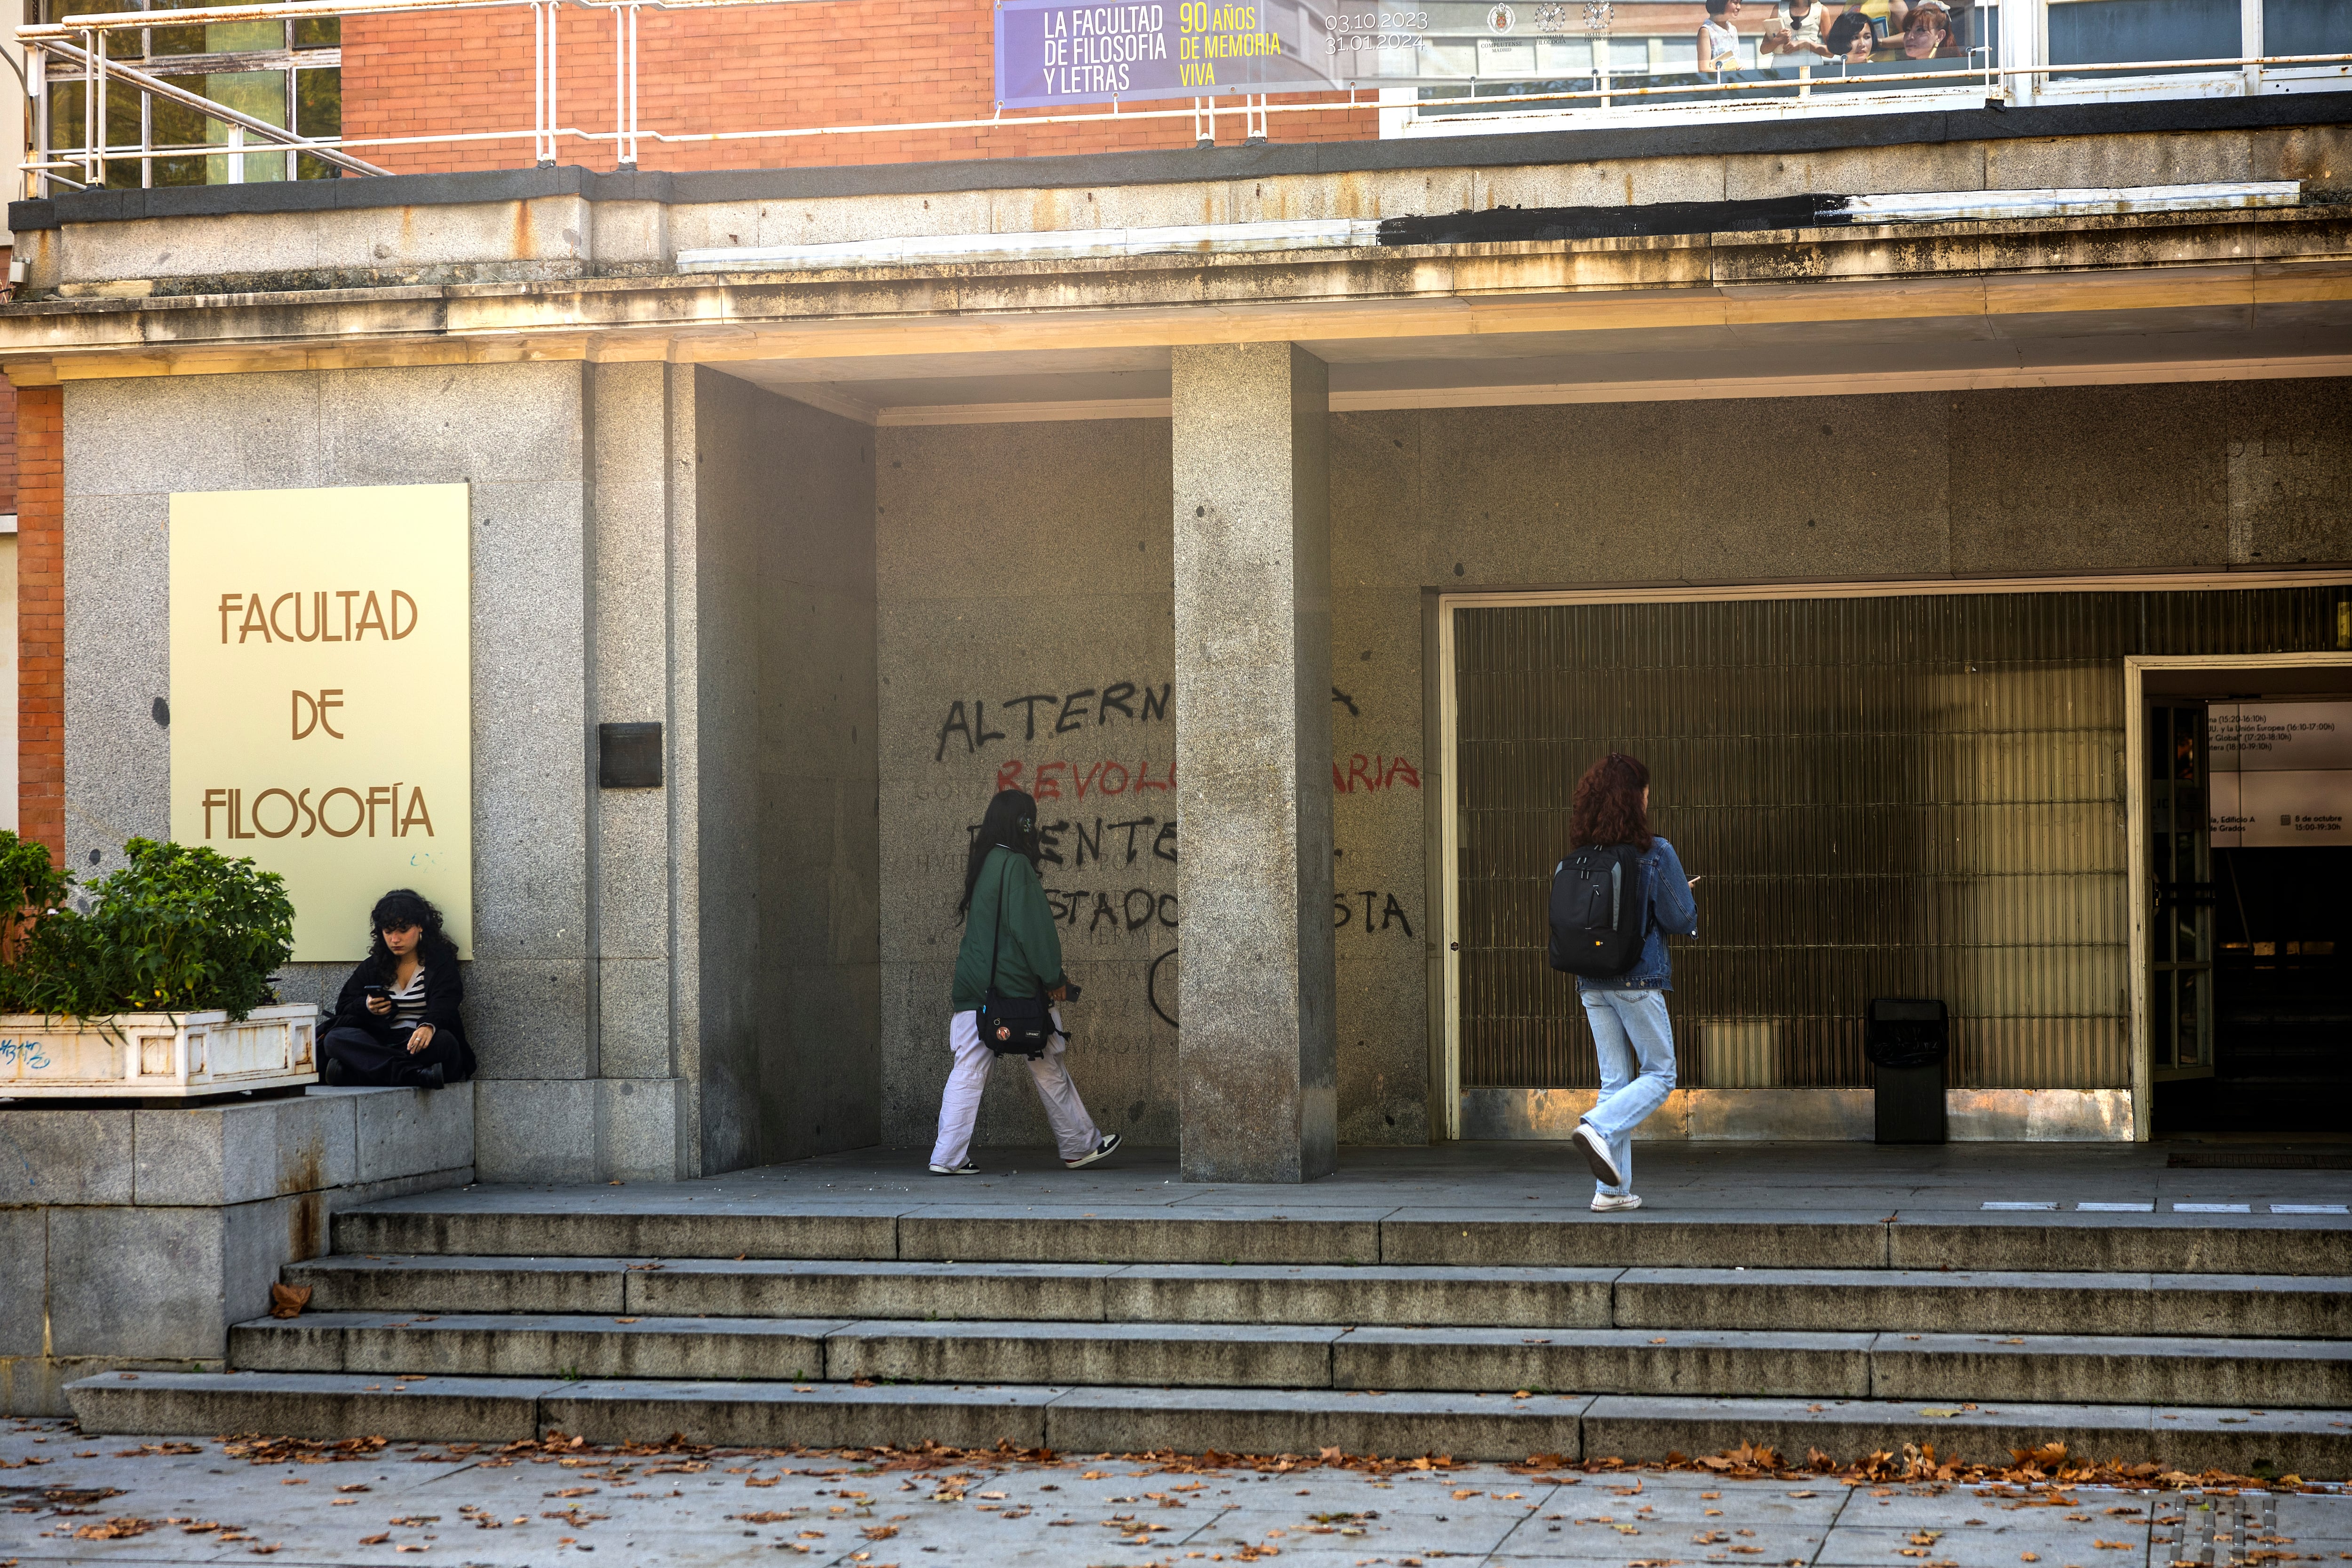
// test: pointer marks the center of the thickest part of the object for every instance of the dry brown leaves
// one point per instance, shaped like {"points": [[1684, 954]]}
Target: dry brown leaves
{"points": [[116, 1529], [287, 1301], [2048, 1466], [262, 1449]]}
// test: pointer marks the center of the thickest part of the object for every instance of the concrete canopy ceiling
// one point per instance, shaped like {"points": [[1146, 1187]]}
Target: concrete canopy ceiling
{"points": [[1876, 352]]}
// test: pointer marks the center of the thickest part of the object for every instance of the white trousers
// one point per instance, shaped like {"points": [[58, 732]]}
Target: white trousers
{"points": [[1074, 1129]]}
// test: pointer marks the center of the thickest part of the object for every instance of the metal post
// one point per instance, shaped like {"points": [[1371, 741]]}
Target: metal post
{"points": [[543, 16], [98, 113], [237, 154], [2251, 44], [36, 77], [90, 77], [629, 158]]}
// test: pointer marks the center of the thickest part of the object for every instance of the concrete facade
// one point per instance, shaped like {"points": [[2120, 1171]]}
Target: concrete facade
{"points": [[873, 540], [623, 991]]}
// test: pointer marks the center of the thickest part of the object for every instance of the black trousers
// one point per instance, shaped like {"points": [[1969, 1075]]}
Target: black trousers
{"points": [[368, 1062]]}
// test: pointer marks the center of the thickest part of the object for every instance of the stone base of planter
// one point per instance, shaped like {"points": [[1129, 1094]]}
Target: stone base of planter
{"points": [[131, 1238], [158, 1056]]}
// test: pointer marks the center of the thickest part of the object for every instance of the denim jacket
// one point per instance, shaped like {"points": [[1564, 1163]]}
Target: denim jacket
{"points": [[1672, 910]]}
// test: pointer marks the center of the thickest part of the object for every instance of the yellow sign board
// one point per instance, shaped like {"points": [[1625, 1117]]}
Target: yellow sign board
{"points": [[322, 698]]}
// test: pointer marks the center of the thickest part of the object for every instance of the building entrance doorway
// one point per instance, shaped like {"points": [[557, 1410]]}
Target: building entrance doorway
{"points": [[2248, 836]]}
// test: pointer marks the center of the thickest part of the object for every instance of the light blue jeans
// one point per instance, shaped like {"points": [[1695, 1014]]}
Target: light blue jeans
{"points": [[1636, 1045]]}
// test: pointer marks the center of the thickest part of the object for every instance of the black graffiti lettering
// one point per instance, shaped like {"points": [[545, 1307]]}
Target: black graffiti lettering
{"points": [[1077, 898], [1059, 903], [980, 723], [956, 721], [1168, 911], [1049, 841], [1395, 909], [1367, 896], [1341, 914], [1340, 696], [1072, 714], [1030, 703], [1115, 695], [1127, 907], [1131, 827], [1089, 845], [1165, 845], [1103, 911], [1160, 707]]}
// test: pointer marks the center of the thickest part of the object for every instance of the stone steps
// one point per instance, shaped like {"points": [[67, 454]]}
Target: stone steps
{"points": [[1822, 1301], [1333, 1234], [1468, 1426], [2281, 1374]]}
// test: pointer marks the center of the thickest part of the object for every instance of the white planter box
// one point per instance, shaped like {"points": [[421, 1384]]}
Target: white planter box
{"points": [[138, 1056]]}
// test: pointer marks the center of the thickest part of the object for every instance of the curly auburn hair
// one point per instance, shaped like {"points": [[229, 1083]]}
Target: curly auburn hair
{"points": [[1607, 807]]}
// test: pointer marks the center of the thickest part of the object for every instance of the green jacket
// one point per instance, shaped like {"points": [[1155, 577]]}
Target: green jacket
{"points": [[1029, 963]]}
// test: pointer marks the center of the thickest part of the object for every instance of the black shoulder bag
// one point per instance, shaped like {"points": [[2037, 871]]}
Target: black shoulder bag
{"points": [[1013, 1026]]}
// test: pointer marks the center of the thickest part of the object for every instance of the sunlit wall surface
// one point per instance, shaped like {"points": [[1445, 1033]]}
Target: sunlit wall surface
{"points": [[1914, 797]]}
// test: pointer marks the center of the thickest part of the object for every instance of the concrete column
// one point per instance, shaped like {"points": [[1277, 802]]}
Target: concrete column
{"points": [[1255, 1055]]}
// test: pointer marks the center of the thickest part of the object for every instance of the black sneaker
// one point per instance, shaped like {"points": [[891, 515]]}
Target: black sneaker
{"points": [[434, 1076], [1108, 1146], [330, 1073]]}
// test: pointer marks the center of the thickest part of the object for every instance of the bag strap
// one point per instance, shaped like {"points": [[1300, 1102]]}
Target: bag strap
{"points": [[996, 953]]}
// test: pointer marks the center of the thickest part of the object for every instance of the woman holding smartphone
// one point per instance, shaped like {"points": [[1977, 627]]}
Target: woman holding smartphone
{"points": [[396, 1025], [1630, 1031]]}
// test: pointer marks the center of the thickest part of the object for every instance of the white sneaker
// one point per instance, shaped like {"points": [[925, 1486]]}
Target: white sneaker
{"points": [[1608, 1203], [966, 1169], [1588, 1144], [1108, 1144]]}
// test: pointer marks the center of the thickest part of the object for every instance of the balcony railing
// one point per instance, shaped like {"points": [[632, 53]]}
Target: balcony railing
{"points": [[114, 102]]}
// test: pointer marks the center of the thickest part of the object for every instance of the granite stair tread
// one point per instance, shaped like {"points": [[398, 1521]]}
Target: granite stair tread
{"points": [[1468, 1426], [2286, 1374], [1857, 1300]]}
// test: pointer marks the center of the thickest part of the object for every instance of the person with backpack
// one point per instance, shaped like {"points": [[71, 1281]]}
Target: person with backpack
{"points": [[1008, 975], [1616, 897]]}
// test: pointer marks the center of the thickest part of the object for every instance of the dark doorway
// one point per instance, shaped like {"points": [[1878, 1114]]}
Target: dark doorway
{"points": [[2253, 942]]}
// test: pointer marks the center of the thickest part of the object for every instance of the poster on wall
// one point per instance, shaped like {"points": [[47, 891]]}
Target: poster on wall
{"points": [[2281, 773], [322, 698]]}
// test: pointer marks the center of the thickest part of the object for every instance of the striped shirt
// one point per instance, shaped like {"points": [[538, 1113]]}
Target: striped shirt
{"points": [[408, 1002]]}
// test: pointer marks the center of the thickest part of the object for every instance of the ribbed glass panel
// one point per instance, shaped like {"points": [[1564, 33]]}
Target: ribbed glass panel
{"points": [[1885, 797]]}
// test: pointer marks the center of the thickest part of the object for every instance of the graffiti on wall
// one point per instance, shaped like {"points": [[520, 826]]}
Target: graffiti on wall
{"points": [[1109, 843]]}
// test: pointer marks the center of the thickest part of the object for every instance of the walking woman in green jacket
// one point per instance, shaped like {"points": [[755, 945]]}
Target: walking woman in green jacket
{"points": [[1012, 944]]}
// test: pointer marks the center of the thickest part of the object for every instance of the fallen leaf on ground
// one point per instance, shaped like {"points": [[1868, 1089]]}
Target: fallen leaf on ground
{"points": [[287, 1301]]}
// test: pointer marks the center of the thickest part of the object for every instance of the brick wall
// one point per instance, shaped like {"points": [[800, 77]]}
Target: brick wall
{"points": [[41, 617], [749, 67]]}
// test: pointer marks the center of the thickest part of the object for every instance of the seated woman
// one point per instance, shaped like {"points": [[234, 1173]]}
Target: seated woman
{"points": [[396, 1025]]}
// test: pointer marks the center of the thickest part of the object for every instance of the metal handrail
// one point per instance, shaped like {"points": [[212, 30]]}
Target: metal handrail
{"points": [[156, 86]]}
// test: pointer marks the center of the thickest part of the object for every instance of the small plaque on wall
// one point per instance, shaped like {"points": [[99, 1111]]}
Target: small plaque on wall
{"points": [[629, 756]]}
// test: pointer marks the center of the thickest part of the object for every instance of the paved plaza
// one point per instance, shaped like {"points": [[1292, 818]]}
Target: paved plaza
{"points": [[201, 1501]]}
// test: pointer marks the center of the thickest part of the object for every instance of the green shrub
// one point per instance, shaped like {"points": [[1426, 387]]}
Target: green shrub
{"points": [[179, 929]]}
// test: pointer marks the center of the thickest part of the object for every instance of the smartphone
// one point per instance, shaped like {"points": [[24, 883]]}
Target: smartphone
{"points": [[374, 991], [1071, 993]]}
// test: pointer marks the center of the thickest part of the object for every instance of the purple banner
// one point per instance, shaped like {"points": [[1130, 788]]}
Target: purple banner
{"points": [[1053, 53]]}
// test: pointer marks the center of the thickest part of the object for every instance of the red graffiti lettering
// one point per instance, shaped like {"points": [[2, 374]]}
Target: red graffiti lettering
{"points": [[1048, 784], [1092, 773], [1144, 781], [1008, 776], [1356, 769], [1106, 786], [1400, 769]]}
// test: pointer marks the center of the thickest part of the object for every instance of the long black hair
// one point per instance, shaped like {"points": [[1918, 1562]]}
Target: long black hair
{"points": [[1011, 822], [397, 911]]}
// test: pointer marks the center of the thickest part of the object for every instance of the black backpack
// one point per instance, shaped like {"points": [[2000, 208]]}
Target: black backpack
{"points": [[1599, 917]]}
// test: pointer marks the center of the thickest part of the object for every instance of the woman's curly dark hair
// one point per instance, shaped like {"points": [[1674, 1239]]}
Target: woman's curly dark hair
{"points": [[396, 910], [1607, 808]]}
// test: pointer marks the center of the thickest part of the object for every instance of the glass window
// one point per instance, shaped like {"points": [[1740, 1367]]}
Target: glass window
{"points": [[2098, 32], [2306, 26]]}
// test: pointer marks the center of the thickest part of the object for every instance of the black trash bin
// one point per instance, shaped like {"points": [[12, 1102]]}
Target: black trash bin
{"points": [[1906, 1039]]}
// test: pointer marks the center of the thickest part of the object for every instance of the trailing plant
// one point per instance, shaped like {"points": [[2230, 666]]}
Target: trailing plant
{"points": [[180, 928]]}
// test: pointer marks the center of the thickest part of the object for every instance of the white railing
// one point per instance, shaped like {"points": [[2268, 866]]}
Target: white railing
{"points": [[81, 43]]}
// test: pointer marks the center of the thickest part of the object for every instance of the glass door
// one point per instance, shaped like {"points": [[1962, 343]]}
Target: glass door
{"points": [[2180, 877]]}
